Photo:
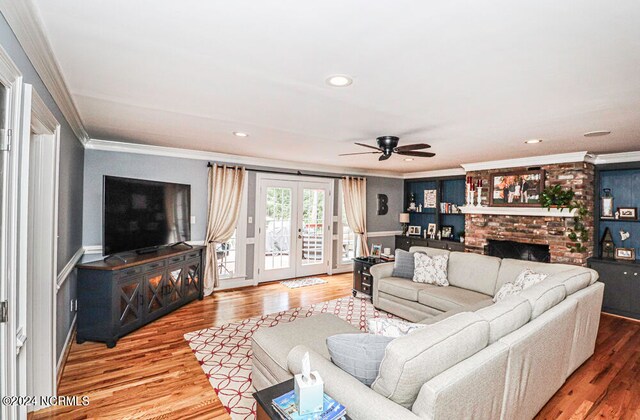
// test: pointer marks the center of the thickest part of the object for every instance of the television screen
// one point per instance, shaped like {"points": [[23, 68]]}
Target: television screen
{"points": [[140, 214]]}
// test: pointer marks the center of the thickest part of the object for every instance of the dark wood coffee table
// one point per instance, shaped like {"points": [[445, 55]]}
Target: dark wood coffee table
{"points": [[264, 410]]}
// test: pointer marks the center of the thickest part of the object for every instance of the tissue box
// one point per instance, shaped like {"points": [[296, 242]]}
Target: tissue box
{"points": [[309, 393]]}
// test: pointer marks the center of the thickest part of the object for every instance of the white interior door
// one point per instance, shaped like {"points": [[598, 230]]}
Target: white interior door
{"points": [[294, 234]]}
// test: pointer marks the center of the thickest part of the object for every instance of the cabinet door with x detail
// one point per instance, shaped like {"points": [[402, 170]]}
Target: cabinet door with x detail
{"points": [[155, 302]]}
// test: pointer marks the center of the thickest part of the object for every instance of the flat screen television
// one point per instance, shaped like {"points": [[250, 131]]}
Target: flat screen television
{"points": [[142, 215]]}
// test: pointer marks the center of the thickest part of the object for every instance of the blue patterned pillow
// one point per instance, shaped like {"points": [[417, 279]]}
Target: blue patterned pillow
{"points": [[404, 264]]}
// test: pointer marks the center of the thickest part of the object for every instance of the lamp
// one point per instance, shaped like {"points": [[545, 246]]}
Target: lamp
{"points": [[404, 220]]}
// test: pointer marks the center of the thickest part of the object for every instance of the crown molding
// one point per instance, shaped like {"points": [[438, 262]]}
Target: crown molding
{"points": [[528, 161], [146, 149], [435, 174], [26, 25], [617, 158]]}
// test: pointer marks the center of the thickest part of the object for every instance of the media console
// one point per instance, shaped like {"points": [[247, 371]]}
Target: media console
{"points": [[115, 298]]}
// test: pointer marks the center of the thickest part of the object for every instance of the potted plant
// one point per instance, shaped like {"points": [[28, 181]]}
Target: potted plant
{"points": [[556, 197]]}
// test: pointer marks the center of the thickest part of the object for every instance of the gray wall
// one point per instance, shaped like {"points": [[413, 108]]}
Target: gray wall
{"points": [[194, 173], [70, 189]]}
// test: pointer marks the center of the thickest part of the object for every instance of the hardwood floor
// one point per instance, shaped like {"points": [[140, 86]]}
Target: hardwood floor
{"points": [[152, 373]]}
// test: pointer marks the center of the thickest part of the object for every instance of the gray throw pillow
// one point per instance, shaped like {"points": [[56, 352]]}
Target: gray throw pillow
{"points": [[359, 355], [404, 264]]}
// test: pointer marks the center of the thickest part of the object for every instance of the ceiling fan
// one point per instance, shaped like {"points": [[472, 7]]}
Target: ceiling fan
{"points": [[387, 145]]}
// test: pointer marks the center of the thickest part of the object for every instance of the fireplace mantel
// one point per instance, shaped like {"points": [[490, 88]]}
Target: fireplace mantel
{"points": [[517, 211]]}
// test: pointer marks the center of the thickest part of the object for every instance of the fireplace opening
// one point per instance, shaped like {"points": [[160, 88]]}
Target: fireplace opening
{"points": [[518, 251]]}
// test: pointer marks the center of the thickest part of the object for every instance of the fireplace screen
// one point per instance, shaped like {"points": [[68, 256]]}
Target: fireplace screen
{"points": [[518, 251]]}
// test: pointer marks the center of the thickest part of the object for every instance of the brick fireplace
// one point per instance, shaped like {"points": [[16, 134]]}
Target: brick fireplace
{"points": [[543, 230]]}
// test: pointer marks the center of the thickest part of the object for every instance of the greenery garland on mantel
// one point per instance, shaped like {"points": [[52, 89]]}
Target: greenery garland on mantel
{"points": [[557, 197]]}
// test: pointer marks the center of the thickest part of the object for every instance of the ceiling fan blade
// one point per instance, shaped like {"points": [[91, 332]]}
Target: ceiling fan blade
{"points": [[384, 157], [410, 147], [359, 153], [417, 154], [366, 145]]}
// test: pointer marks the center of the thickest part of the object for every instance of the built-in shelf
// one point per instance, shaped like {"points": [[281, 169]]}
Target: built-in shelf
{"points": [[517, 211], [605, 219]]}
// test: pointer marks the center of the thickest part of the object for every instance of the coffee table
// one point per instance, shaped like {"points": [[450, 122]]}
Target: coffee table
{"points": [[264, 410]]}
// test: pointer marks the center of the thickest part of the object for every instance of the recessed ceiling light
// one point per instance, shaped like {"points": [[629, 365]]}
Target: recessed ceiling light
{"points": [[597, 133], [408, 159], [240, 134], [339, 80], [533, 141]]}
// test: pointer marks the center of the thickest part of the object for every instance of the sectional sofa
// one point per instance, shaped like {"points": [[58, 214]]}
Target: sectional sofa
{"points": [[475, 359]]}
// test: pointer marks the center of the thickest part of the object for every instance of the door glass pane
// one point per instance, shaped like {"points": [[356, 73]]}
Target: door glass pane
{"points": [[278, 228], [226, 257], [312, 226], [348, 239]]}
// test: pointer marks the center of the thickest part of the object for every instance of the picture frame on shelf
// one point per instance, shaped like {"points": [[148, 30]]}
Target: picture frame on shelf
{"points": [[625, 254], [516, 189], [415, 230], [447, 232], [628, 213], [431, 230], [376, 250], [430, 199]]}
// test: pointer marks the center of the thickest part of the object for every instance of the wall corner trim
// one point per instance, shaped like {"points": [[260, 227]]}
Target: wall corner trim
{"points": [[617, 158], [26, 25], [68, 268]]}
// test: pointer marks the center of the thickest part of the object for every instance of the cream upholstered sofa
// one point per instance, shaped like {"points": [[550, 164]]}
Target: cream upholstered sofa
{"points": [[475, 359]]}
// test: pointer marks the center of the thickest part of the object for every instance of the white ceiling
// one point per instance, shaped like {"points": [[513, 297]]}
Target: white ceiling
{"points": [[472, 78]]}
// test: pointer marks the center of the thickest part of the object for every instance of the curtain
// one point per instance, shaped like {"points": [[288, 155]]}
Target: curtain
{"points": [[354, 194], [225, 196]]}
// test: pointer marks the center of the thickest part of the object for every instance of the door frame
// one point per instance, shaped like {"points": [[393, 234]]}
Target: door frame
{"points": [[40, 309], [11, 78], [258, 261]]}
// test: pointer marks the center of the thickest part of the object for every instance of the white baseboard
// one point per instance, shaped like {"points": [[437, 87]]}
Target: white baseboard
{"points": [[226, 284], [342, 269]]}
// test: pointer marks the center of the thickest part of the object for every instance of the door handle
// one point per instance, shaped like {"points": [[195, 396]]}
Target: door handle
{"points": [[299, 236]]}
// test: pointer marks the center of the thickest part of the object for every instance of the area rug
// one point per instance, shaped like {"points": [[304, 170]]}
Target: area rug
{"points": [[309, 281], [225, 354]]}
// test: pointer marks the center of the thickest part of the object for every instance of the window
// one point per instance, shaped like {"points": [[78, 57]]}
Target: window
{"points": [[348, 239], [226, 257]]}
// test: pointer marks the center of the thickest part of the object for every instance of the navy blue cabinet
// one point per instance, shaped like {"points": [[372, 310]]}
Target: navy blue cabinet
{"points": [[114, 300]]}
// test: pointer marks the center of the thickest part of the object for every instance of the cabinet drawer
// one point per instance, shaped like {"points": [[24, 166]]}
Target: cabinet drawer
{"points": [[126, 273], [176, 259], [154, 265]]}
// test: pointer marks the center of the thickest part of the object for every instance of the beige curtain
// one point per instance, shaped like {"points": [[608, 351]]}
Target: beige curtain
{"points": [[225, 196], [354, 194]]}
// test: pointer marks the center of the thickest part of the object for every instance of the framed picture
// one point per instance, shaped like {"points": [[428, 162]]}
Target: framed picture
{"points": [[516, 189], [431, 229], [628, 213], [415, 230], [625, 254], [447, 232], [430, 199], [376, 250]]}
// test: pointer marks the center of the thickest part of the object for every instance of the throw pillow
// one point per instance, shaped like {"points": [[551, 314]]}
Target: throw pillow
{"points": [[359, 355], [528, 278], [403, 265], [525, 279], [391, 327], [431, 270]]}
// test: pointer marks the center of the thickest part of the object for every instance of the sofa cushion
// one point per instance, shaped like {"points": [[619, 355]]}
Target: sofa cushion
{"points": [[272, 345], [391, 327], [412, 360], [432, 252], [505, 316], [358, 354], [444, 315], [525, 280], [448, 298], [544, 296], [402, 288], [576, 279], [403, 265], [474, 272], [430, 270], [510, 269]]}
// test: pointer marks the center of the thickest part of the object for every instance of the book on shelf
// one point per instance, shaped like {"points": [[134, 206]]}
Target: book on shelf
{"points": [[387, 257], [285, 406]]}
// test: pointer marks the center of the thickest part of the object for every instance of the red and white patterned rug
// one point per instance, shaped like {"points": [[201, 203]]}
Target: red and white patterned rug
{"points": [[225, 354]]}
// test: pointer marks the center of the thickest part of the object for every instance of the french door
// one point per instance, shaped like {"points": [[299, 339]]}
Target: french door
{"points": [[294, 229]]}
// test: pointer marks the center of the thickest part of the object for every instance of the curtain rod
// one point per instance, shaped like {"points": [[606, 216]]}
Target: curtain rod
{"points": [[297, 173]]}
